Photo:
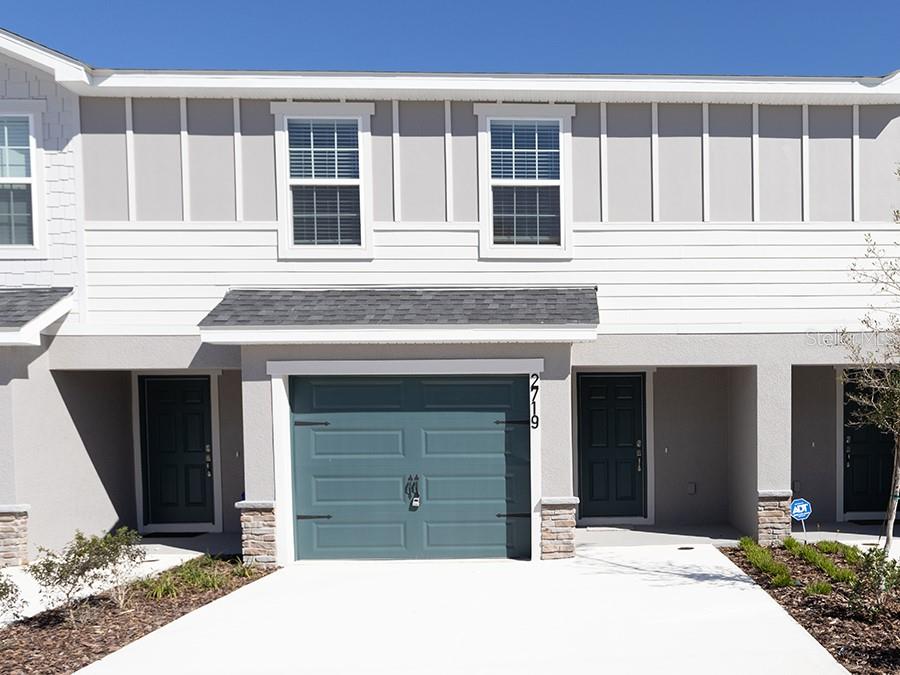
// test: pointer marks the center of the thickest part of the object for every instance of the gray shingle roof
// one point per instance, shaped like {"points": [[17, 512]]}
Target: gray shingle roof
{"points": [[18, 306], [406, 306]]}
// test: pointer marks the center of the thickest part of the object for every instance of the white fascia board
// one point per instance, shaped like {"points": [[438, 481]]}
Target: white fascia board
{"points": [[406, 367], [64, 70], [256, 335], [550, 88], [30, 333]]}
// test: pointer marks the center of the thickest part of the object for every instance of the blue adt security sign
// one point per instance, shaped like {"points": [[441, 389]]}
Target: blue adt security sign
{"points": [[800, 509]]}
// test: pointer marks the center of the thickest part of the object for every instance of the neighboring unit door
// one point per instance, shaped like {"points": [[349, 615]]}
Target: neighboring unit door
{"points": [[868, 461], [411, 467], [177, 465], [611, 445]]}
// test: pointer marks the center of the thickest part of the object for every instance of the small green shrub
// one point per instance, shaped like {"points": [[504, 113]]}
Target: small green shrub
{"points": [[761, 558], [201, 573], [816, 558], [11, 602], [160, 586], [877, 580], [86, 562], [849, 553], [818, 588]]}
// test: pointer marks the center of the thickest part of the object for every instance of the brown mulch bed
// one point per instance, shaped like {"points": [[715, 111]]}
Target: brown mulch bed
{"points": [[46, 643], [859, 646]]}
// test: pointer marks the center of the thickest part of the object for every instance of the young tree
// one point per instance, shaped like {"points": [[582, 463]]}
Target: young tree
{"points": [[873, 383]]}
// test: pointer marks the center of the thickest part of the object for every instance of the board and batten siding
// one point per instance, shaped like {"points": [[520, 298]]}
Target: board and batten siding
{"points": [[660, 262]]}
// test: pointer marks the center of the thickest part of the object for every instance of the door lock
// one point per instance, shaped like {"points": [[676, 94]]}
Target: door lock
{"points": [[412, 491]]}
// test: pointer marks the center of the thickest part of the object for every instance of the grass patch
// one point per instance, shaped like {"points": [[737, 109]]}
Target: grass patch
{"points": [[818, 588], [761, 558], [816, 558], [849, 553]]}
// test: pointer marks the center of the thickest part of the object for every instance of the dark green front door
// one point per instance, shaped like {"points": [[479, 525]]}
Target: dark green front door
{"points": [[176, 434], [611, 445], [868, 460], [411, 467]]}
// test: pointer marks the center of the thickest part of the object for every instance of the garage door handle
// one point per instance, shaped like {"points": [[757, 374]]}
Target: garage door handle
{"points": [[513, 515], [313, 517], [512, 421], [304, 423]]}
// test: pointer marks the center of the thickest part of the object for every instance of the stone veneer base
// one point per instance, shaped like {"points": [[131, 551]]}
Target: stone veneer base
{"points": [[258, 533], [773, 517], [558, 528], [13, 535]]}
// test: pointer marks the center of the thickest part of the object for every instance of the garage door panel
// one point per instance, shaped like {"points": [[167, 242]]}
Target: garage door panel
{"points": [[450, 432], [348, 490], [487, 490], [355, 394], [469, 394], [359, 537], [356, 444]]}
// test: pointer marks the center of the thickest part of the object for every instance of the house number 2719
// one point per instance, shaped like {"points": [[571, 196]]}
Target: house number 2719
{"points": [[535, 388]]}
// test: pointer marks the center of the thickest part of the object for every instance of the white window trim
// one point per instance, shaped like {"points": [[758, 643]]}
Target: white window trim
{"points": [[33, 110], [562, 113], [362, 112]]}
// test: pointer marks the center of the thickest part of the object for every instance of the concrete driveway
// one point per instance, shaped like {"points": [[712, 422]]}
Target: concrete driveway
{"points": [[641, 609]]}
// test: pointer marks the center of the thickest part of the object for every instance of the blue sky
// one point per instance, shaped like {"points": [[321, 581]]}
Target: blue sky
{"points": [[765, 37]]}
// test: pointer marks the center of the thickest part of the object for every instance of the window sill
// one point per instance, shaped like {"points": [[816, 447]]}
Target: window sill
{"points": [[292, 252], [524, 252], [22, 253]]}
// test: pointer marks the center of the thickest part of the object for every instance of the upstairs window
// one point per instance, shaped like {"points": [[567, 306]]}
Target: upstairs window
{"points": [[16, 181], [324, 181], [525, 182]]}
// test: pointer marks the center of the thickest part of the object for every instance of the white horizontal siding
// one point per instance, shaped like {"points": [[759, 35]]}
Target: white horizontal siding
{"points": [[651, 277]]}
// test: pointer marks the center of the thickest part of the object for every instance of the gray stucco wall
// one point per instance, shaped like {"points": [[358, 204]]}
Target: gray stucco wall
{"points": [[258, 160], [680, 162], [780, 192], [231, 448], [813, 438], [730, 163], [74, 453], [742, 449], [879, 140], [157, 158], [464, 127], [628, 152], [691, 438], [382, 162], [105, 164], [66, 439], [830, 162], [586, 162], [422, 179], [210, 125]]}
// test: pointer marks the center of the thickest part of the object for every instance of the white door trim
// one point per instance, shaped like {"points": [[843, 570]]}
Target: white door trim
{"points": [[281, 371], [160, 528], [649, 449]]}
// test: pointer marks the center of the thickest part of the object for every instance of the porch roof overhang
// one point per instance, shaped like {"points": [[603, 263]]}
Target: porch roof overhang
{"points": [[26, 312], [403, 316]]}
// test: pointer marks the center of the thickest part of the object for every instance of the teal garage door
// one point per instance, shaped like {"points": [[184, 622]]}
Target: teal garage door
{"points": [[400, 467]]}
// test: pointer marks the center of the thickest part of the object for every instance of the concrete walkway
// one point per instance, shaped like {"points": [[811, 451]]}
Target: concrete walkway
{"points": [[641, 609]]}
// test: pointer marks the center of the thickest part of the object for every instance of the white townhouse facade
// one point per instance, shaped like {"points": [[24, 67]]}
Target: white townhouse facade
{"points": [[431, 315]]}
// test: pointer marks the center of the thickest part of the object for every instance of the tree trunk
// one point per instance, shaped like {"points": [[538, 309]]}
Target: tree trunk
{"points": [[892, 500]]}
